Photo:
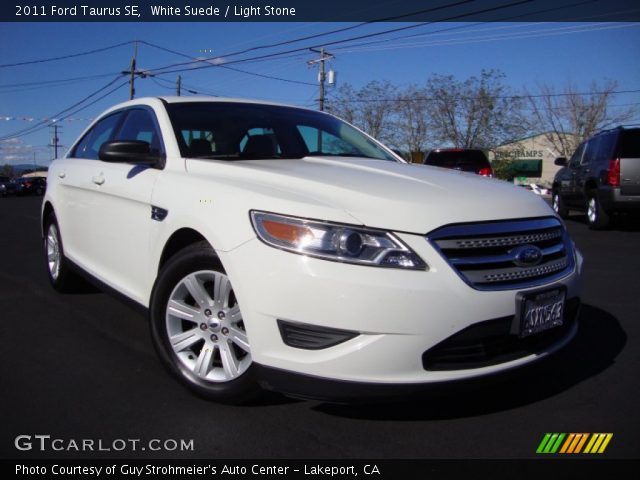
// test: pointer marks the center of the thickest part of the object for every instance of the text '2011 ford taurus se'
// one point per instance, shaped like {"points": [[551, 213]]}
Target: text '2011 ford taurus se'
{"points": [[281, 248]]}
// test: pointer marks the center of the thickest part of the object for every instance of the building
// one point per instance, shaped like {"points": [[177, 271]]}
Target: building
{"points": [[533, 157]]}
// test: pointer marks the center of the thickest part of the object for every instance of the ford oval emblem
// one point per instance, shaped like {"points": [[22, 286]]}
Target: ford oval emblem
{"points": [[527, 256]]}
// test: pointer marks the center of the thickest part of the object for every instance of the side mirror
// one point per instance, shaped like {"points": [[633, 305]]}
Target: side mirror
{"points": [[561, 161], [128, 151]]}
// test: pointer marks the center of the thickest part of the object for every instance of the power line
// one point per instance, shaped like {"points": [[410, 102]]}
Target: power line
{"points": [[489, 38], [344, 29], [159, 71], [60, 115], [255, 74], [64, 57], [513, 97]]}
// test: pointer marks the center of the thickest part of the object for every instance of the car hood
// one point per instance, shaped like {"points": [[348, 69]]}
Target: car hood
{"points": [[377, 193]]}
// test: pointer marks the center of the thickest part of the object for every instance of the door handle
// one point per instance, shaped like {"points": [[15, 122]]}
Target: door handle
{"points": [[97, 179], [62, 174]]}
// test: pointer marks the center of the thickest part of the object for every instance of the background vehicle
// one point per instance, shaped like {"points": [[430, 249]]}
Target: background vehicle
{"points": [[464, 159], [602, 177], [278, 247], [8, 186], [31, 185]]}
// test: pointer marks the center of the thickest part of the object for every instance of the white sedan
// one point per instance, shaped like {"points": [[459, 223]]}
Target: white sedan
{"points": [[280, 248]]}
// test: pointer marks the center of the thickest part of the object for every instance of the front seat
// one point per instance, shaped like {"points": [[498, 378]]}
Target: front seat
{"points": [[260, 146]]}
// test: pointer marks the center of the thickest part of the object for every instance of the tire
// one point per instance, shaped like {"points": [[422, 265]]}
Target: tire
{"points": [[597, 218], [201, 339], [61, 277], [557, 203]]}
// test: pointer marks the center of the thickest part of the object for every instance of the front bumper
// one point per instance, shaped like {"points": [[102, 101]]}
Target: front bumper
{"points": [[399, 314]]}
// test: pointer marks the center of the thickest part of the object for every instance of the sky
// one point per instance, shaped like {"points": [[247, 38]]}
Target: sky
{"points": [[558, 54]]}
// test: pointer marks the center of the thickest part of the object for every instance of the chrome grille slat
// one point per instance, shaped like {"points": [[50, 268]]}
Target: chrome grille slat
{"points": [[485, 254], [499, 241]]}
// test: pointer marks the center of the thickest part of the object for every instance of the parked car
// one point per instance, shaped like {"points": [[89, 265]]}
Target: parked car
{"points": [[279, 248], [601, 178], [31, 185], [8, 186], [535, 188], [464, 159]]}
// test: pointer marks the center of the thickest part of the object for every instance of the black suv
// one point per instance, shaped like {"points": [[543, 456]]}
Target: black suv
{"points": [[464, 159], [602, 177]]}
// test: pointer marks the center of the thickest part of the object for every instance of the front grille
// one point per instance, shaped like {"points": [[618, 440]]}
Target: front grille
{"points": [[488, 256], [491, 343]]}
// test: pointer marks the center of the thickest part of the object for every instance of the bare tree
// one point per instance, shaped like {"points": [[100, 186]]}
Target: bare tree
{"points": [[412, 121], [369, 108], [479, 112], [569, 117]]}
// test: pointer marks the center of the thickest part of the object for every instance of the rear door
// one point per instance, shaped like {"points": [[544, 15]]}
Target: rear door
{"points": [[629, 155]]}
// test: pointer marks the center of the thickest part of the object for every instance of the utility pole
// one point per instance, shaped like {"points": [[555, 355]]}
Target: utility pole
{"points": [[55, 140], [178, 85], [324, 56], [132, 72]]}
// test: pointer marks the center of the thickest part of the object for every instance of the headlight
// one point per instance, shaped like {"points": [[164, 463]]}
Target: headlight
{"points": [[332, 241]]}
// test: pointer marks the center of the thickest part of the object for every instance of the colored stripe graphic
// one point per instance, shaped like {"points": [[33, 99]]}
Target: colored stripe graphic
{"points": [[550, 443], [573, 443]]}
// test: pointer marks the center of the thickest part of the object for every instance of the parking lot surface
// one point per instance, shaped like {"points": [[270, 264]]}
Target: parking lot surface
{"points": [[82, 367]]}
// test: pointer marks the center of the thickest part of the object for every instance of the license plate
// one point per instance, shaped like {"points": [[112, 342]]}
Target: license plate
{"points": [[540, 311]]}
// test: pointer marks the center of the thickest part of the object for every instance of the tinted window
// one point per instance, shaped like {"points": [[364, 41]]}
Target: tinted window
{"points": [[605, 147], [139, 124], [102, 132], [465, 160], [629, 144], [244, 131], [577, 156]]}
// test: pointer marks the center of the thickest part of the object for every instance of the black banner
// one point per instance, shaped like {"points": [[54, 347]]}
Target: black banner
{"points": [[316, 11], [338, 469]]}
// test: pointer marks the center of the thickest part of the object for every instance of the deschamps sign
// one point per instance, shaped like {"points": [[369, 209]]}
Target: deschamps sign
{"points": [[516, 154]]}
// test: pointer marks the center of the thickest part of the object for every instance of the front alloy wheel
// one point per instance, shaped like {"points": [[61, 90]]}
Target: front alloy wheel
{"points": [[198, 328], [558, 205], [205, 328]]}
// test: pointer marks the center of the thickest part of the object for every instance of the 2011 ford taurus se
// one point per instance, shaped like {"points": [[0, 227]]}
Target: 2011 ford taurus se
{"points": [[280, 248]]}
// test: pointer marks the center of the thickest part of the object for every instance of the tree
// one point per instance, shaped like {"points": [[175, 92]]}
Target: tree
{"points": [[6, 170], [412, 123], [570, 117], [479, 112], [369, 108]]}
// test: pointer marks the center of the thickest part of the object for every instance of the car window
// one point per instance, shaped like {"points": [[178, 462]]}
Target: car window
{"points": [[577, 156], [139, 124], [590, 151], [318, 141], [102, 132], [606, 146], [629, 144], [237, 131]]}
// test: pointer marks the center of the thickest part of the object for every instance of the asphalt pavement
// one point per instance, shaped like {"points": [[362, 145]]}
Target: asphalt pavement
{"points": [[82, 367]]}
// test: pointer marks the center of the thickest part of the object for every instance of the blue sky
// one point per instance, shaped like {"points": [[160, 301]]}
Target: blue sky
{"points": [[528, 53]]}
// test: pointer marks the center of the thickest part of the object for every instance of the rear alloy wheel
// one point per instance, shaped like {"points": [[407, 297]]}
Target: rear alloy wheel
{"points": [[558, 206], [597, 218], [198, 328], [60, 276]]}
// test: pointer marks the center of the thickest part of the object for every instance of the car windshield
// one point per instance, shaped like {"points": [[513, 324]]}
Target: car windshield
{"points": [[467, 160], [244, 131]]}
